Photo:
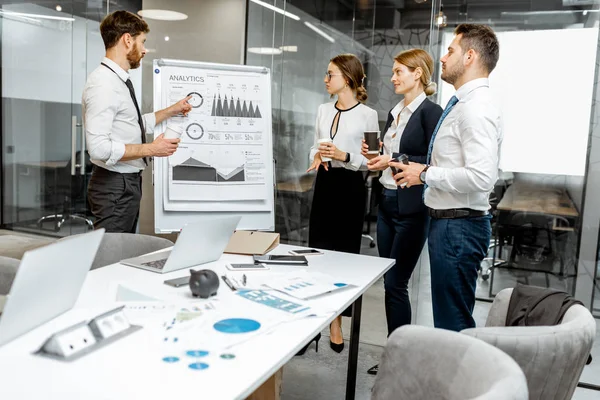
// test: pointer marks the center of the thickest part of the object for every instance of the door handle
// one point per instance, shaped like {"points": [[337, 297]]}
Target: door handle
{"points": [[73, 143]]}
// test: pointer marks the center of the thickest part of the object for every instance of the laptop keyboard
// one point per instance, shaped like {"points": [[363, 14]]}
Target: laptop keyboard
{"points": [[158, 264]]}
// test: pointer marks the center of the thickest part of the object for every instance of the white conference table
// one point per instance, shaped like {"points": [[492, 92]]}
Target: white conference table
{"points": [[129, 369]]}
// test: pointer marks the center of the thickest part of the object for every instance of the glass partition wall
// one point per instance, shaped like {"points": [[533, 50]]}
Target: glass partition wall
{"points": [[47, 51], [546, 220], [296, 39]]}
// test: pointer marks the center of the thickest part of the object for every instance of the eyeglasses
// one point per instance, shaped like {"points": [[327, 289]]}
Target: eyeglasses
{"points": [[328, 75]]}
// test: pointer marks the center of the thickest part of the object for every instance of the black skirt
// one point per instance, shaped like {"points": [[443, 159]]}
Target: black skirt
{"points": [[338, 209]]}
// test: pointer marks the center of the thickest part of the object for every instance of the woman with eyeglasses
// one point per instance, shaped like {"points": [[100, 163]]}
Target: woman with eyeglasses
{"points": [[337, 213], [402, 223]]}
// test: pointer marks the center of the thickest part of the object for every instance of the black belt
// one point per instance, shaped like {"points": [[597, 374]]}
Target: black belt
{"points": [[456, 213], [103, 171]]}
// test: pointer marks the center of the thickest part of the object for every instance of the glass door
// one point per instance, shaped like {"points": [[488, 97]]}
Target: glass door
{"points": [[45, 53]]}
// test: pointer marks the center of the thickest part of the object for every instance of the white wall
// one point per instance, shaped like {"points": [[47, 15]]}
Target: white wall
{"points": [[543, 86]]}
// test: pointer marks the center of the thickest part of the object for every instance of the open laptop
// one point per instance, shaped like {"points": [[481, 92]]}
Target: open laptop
{"points": [[47, 283], [198, 243]]}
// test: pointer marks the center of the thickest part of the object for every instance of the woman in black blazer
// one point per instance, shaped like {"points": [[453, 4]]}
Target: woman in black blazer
{"points": [[403, 222]]}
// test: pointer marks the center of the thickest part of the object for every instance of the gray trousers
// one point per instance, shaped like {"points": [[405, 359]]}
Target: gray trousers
{"points": [[114, 199]]}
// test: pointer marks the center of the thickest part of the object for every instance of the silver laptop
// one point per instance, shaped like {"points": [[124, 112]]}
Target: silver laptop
{"points": [[47, 283], [198, 243]]}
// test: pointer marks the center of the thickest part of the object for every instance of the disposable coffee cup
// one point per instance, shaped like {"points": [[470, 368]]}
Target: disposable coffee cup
{"points": [[325, 140], [173, 132], [372, 140]]}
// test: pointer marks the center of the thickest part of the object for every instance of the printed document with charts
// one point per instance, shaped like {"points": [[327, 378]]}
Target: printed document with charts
{"points": [[304, 284]]}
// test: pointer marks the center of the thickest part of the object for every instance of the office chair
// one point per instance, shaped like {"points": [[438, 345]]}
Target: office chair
{"points": [[488, 263], [118, 246], [8, 271], [533, 249], [423, 363], [552, 357], [71, 189]]}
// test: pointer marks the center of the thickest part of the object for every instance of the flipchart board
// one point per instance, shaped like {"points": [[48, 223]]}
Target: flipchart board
{"points": [[224, 163]]}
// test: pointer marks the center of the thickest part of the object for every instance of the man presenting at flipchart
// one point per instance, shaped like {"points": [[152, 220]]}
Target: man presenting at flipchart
{"points": [[116, 130], [461, 170]]}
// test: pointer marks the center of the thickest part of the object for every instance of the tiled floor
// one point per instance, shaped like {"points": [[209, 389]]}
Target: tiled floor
{"points": [[322, 375]]}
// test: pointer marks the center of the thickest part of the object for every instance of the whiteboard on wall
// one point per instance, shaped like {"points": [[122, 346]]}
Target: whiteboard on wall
{"points": [[544, 92], [224, 163]]}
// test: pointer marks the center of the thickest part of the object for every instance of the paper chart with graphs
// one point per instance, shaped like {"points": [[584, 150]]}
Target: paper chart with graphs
{"points": [[225, 154]]}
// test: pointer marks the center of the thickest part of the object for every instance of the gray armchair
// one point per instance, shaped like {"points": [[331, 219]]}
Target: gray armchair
{"points": [[8, 270], [118, 246], [552, 357], [422, 363]]}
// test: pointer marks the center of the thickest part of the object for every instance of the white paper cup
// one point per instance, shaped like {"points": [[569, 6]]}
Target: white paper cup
{"points": [[325, 140], [172, 133]]}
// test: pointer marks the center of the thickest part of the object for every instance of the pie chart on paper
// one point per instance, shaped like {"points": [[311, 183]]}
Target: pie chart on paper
{"points": [[237, 325]]}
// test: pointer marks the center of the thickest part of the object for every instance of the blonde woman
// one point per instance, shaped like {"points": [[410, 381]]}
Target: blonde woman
{"points": [[402, 223]]}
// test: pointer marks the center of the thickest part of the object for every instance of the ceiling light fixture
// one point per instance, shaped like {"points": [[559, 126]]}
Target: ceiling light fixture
{"points": [[320, 32], [58, 8], [289, 49], [277, 10], [441, 20], [265, 51], [162, 15], [166, 38], [552, 12], [18, 14]]}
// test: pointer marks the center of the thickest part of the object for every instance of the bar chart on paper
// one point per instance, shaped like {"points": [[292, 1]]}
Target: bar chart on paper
{"points": [[223, 107]]}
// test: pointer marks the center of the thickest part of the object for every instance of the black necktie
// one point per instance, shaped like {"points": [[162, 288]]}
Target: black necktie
{"points": [[137, 108]]}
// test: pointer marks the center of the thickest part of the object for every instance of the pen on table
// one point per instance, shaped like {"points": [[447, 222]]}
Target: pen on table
{"points": [[244, 279], [227, 282]]}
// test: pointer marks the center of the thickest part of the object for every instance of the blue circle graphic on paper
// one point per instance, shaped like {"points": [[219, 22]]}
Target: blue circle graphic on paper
{"points": [[237, 325], [170, 359], [198, 366], [196, 353], [156, 70], [340, 284]]}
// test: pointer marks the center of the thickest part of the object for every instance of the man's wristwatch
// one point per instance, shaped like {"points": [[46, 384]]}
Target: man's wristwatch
{"points": [[347, 158], [423, 174]]}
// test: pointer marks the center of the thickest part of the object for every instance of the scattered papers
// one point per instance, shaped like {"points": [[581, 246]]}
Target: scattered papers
{"points": [[304, 285]]}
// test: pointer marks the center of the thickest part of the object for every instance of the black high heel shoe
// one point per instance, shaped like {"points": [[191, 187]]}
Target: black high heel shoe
{"points": [[337, 347], [316, 340]]}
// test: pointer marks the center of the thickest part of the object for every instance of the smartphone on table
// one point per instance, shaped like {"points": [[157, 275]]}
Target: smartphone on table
{"points": [[305, 252], [246, 267], [178, 282]]}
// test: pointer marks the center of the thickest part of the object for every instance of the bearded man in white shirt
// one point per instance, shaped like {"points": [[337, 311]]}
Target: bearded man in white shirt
{"points": [[115, 128], [461, 170]]}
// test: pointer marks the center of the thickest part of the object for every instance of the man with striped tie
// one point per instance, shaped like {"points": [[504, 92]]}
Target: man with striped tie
{"points": [[461, 170]]}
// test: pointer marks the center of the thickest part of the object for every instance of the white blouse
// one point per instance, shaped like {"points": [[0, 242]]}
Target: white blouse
{"points": [[351, 125], [391, 142]]}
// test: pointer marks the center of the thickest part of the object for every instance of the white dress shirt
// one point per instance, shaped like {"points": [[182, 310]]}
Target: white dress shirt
{"points": [[352, 124], [110, 119], [466, 151], [392, 144]]}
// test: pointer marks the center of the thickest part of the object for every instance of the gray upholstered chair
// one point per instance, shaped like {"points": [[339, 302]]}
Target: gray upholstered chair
{"points": [[118, 246], [8, 270], [552, 357], [422, 363]]}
